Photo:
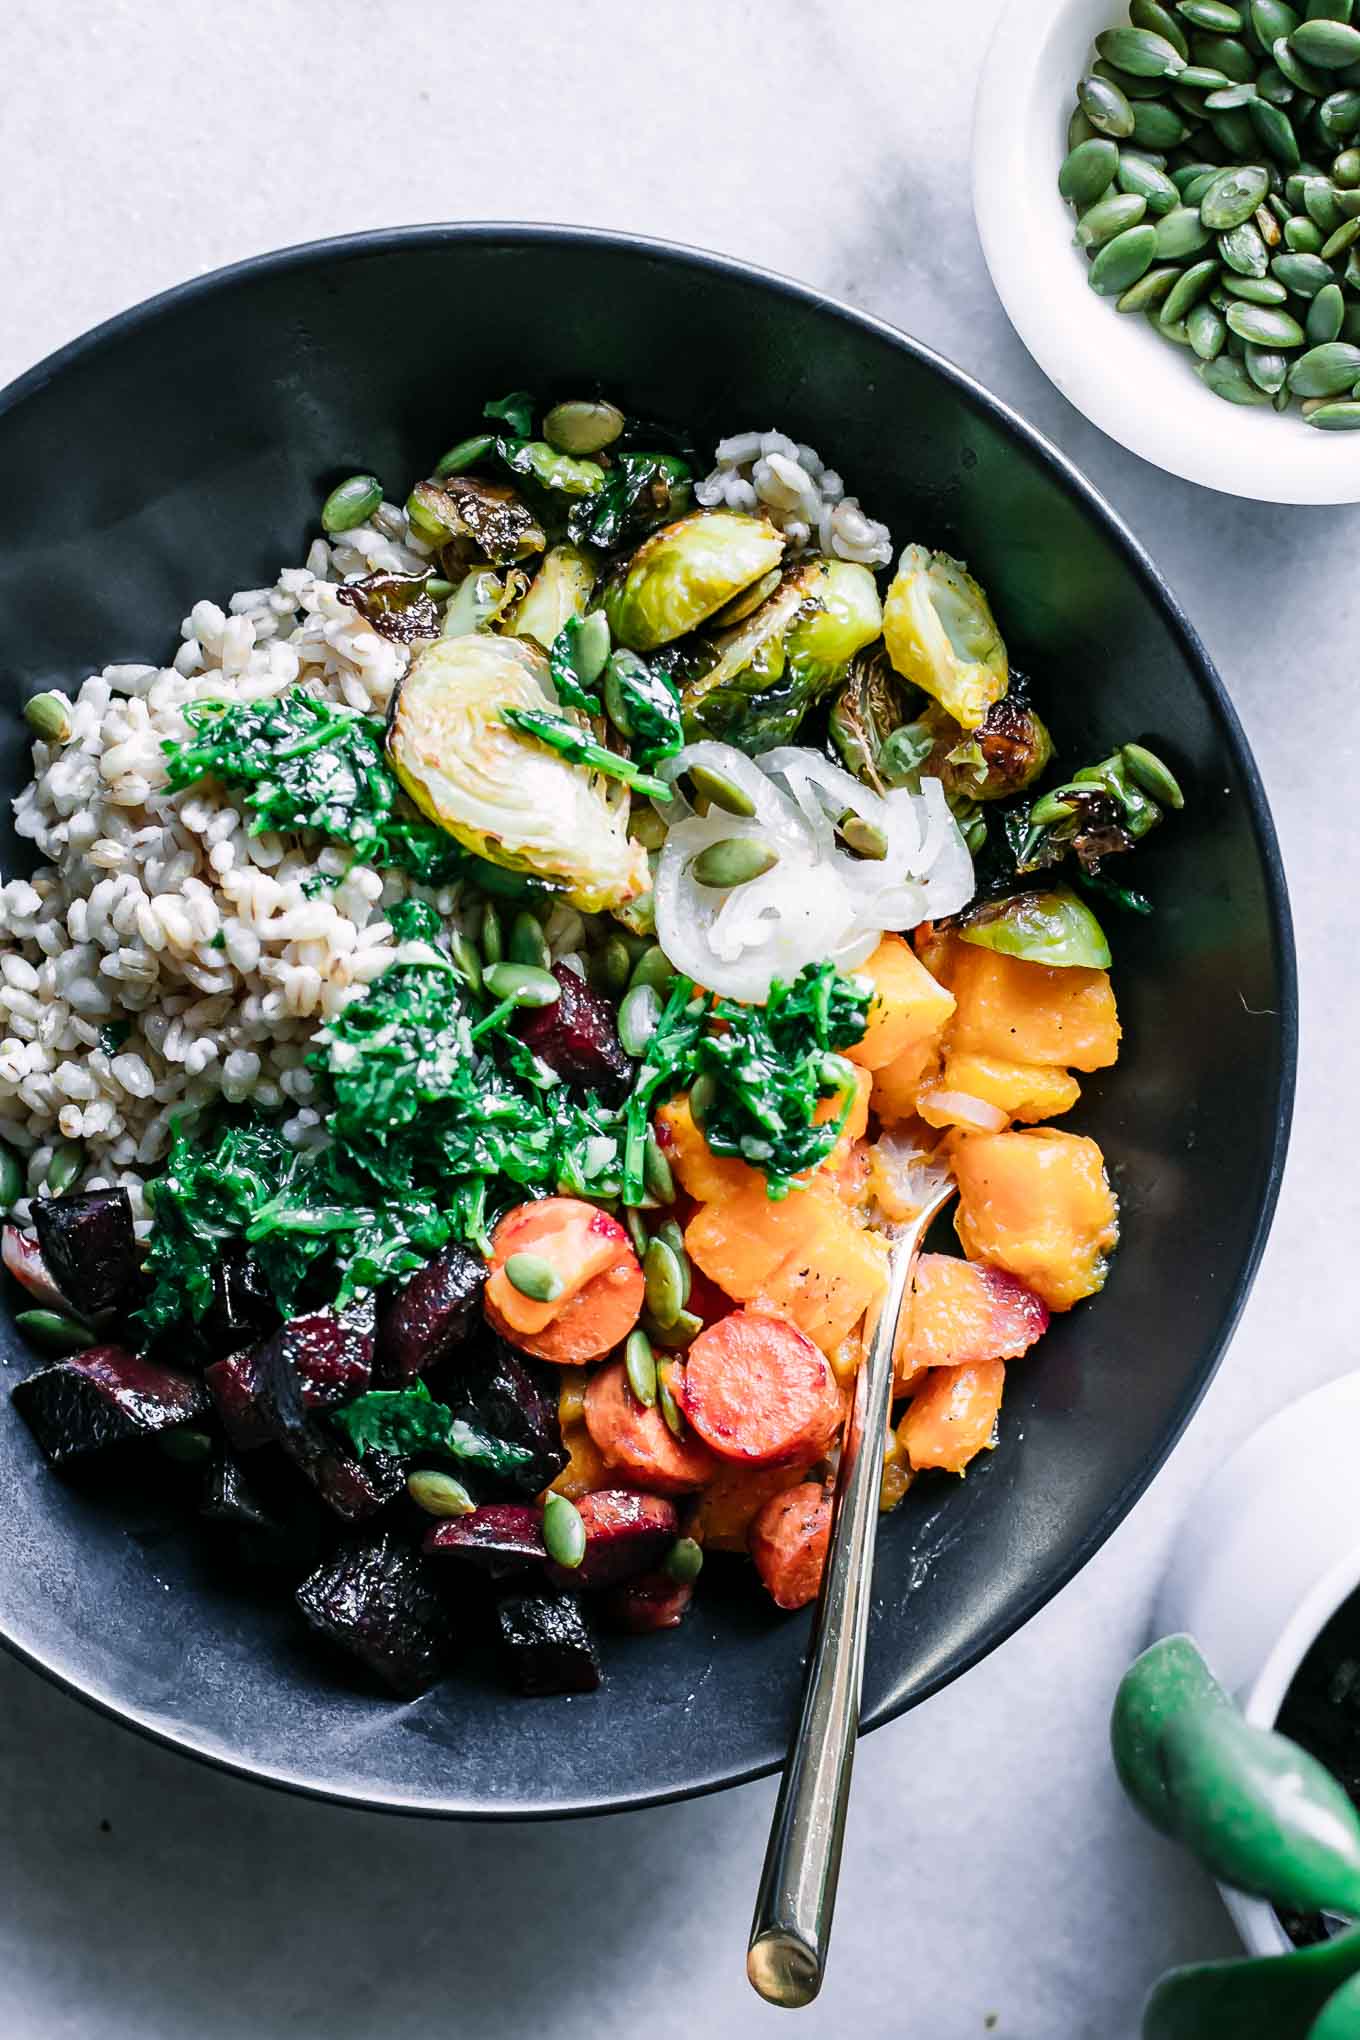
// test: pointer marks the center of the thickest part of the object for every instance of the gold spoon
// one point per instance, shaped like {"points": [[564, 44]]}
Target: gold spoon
{"points": [[791, 1931]]}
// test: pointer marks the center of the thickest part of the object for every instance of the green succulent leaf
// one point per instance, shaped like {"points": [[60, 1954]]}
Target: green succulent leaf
{"points": [[1272, 1998], [1167, 1679]]}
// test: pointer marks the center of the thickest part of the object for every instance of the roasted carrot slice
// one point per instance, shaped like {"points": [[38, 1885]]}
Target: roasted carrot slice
{"points": [[759, 1392], [591, 1255], [636, 1444], [788, 1542]]}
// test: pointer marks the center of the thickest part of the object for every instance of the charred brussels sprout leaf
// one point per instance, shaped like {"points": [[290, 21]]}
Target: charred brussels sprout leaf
{"points": [[557, 472], [679, 576], [474, 522], [502, 794], [941, 634], [516, 411], [398, 606], [871, 705], [1052, 928], [559, 591], [641, 491], [1098, 812], [1005, 754], [770, 669], [483, 600]]}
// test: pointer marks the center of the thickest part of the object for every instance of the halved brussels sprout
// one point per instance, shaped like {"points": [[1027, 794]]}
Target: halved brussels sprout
{"points": [[482, 599], [1053, 928], [474, 521], [500, 794], [772, 667], [872, 703], [941, 634], [1005, 753], [679, 576], [561, 589]]}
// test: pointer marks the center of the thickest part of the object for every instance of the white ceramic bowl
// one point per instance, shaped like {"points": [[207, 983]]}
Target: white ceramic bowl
{"points": [[1141, 390], [1267, 1555]]}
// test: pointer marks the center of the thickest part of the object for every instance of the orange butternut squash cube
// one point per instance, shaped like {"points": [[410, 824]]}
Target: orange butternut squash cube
{"points": [[898, 1085], [586, 1469], [701, 1172], [1026, 1013], [802, 1255], [952, 1416], [958, 1312], [1039, 1204], [1024, 1091], [908, 1008]]}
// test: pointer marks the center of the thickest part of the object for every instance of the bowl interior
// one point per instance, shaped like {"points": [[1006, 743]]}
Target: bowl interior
{"points": [[1140, 389], [182, 452]]}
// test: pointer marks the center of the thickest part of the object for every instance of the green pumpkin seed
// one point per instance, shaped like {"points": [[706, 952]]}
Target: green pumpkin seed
{"points": [[68, 1159], [1296, 69], [1228, 98], [1208, 331], [684, 1561], [1337, 243], [1189, 288], [1226, 53], [736, 860], [865, 838], [1049, 808], [564, 1532], [1337, 417], [639, 1364], [652, 968], [1108, 217], [53, 1333], [1123, 260], [351, 502], [527, 943], [1233, 197], [1275, 132], [1346, 169], [1227, 378], [1320, 202], [1347, 203], [466, 454], [1326, 371], [670, 1408], [1326, 316], [715, 789], [671, 1231], [1089, 165], [1157, 126], [1185, 175], [1245, 251], [1140, 176], [592, 647], [1256, 290], [1271, 19], [1133, 89], [534, 1277], [522, 983], [665, 1289], [1106, 106], [1274, 86], [490, 939], [1152, 775], [639, 1018], [1332, 45], [11, 1180], [465, 960], [1301, 235], [581, 426], [671, 1338], [1236, 134], [1079, 130], [1339, 113], [1177, 334], [1140, 51], [439, 1494], [637, 1231], [611, 967], [1179, 233], [1328, 10], [656, 1172], [1213, 15], [1149, 290], [1267, 368], [1264, 325], [49, 717], [703, 1094], [1150, 14]]}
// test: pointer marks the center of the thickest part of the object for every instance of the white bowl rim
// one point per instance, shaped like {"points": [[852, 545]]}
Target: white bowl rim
{"points": [[1091, 355]]}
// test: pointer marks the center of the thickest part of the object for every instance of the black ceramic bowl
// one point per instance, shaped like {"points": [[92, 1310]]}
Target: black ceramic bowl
{"points": [[182, 450]]}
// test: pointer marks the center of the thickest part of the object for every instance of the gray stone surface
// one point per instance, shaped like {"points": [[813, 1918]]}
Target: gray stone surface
{"points": [[993, 1880]]}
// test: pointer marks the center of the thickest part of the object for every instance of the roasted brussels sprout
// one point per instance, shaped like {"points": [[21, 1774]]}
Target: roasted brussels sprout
{"points": [[473, 522], [1006, 753], [941, 634], [642, 490], [499, 793], [561, 588], [772, 667], [482, 600], [872, 703], [679, 576], [1053, 928], [397, 606], [1100, 811]]}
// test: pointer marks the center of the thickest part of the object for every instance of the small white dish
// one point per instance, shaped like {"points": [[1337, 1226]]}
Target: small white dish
{"points": [[1141, 390], [1266, 1556]]}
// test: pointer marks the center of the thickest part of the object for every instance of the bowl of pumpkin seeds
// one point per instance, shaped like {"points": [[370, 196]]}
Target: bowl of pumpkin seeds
{"points": [[1168, 198]]}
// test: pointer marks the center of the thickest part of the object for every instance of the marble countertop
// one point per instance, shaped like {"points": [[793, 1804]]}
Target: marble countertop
{"points": [[994, 1881]]}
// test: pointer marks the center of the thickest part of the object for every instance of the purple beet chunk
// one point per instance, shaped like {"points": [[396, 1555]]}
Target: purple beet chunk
{"points": [[230, 1500], [102, 1397], [546, 1644], [88, 1244], [626, 1533], [578, 1037], [515, 1398], [242, 1310], [353, 1488], [329, 1351], [231, 1383], [500, 1538], [422, 1323], [376, 1601]]}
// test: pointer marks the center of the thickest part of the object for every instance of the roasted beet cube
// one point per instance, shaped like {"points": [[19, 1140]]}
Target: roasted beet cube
{"points": [[626, 1533], [578, 1037], [514, 1398], [88, 1244], [229, 1498], [546, 1644], [652, 1601], [376, 1601], [500, 1538], [353, 1488], [329, 1352], [101, 1397], [242, 1310], [422, 1323], [231, 1383]]}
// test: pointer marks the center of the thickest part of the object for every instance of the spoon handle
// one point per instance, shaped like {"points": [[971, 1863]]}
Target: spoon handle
{"points": [[791, 1930]]}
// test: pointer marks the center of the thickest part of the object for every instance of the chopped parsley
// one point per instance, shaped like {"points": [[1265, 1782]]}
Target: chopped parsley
{"points": [[560, 734], [408, 1420]]}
